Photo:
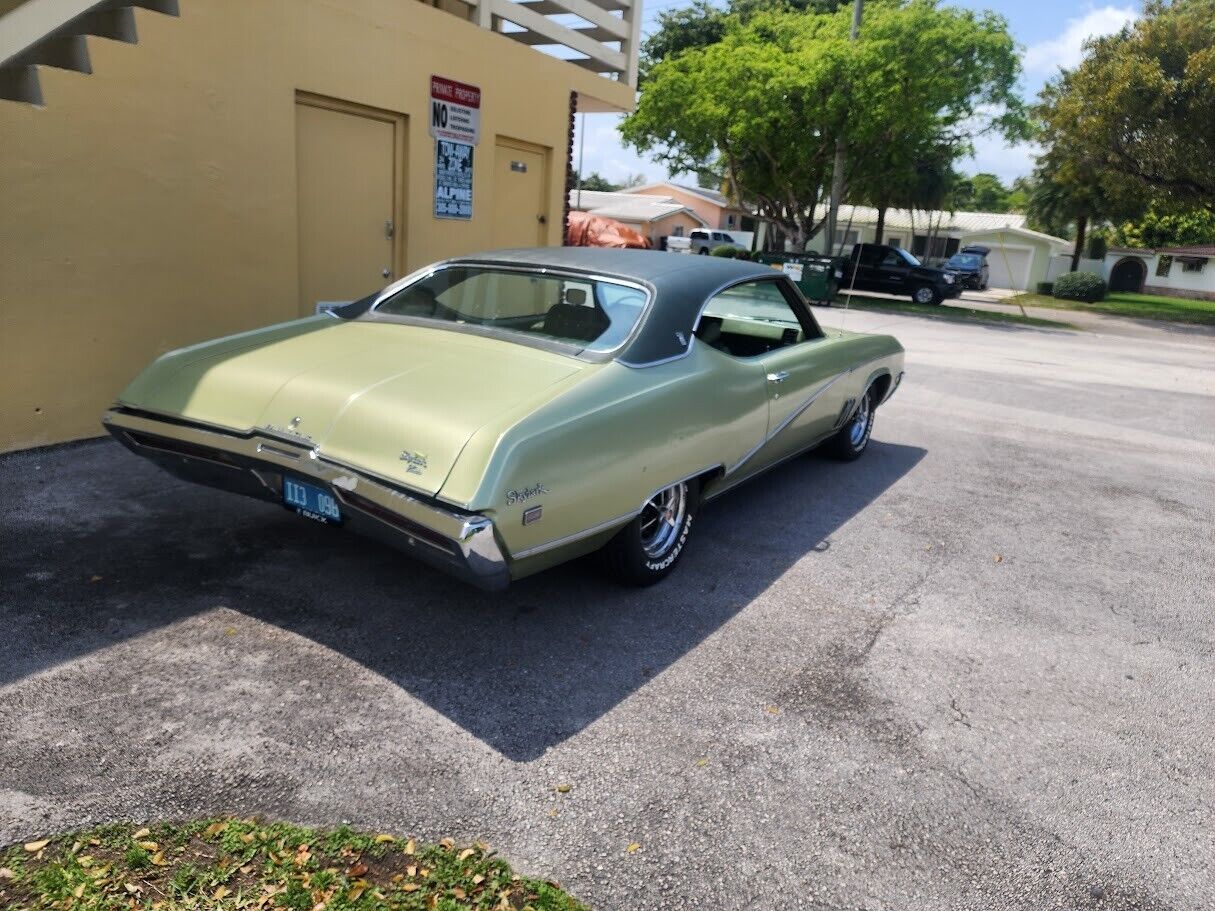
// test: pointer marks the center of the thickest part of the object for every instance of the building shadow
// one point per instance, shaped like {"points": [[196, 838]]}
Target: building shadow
{"points": [[101, 547]]}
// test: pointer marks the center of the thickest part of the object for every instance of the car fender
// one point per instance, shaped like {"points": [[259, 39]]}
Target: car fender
{"points": [[590, 458]]}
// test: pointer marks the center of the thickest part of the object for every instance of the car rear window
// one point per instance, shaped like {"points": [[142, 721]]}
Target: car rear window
{"points": [[584, 313]]}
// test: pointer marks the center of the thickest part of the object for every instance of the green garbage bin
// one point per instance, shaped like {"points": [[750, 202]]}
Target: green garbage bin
{"points": [[813, 273]]}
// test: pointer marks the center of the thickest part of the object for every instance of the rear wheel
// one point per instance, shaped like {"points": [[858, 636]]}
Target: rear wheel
{"points": [[703, 251], [647, 549], [926, 294], [853, 438]]}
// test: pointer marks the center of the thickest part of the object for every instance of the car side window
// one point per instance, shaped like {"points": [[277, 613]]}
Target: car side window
{"points": [[893, 259], [754, 318]]}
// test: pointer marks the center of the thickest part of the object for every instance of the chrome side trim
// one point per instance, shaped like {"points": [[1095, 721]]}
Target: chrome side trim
{"points": [[574, 538], [726, 488], [789, 419], [610, 523]]}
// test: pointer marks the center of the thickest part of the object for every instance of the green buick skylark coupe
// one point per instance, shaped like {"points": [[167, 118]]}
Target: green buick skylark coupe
{"points": [[497, 414]]}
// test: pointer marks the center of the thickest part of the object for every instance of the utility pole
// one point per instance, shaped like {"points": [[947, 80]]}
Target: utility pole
{"points": [[837, 170]]}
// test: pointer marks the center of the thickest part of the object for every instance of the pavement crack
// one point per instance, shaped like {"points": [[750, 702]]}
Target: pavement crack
{"points": [[960, 716]]}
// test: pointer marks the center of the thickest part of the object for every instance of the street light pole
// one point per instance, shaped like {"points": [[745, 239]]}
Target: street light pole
{"points": [[837, 169]]}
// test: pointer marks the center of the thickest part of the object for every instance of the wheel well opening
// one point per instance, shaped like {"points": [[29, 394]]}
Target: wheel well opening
{"points": [[880, 387], [707, 477]]}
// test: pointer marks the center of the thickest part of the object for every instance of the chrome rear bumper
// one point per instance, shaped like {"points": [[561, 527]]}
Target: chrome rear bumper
{"points": [[459, 543]]}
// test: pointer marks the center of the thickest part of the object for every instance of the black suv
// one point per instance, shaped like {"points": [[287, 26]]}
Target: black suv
{"points": [[970, 266], [876, 267]]}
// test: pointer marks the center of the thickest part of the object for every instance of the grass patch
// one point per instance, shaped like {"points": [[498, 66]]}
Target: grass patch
{"points": [[1132, 306], [954, 311], [231, 864]]}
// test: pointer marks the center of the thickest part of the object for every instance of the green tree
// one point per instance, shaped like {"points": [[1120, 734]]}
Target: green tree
{"points": [[704, 23], [1018, 195], [1069, 193], [981, 192], [695, 26], [1161, 226], [765, 100], [1141, 104], [594, 181]]}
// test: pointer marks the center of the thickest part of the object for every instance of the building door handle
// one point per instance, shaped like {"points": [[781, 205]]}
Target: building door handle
{"points": [[778, 377]]}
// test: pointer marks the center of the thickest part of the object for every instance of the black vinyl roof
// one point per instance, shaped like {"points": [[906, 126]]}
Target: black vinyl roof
{"points": [[681, 284]]}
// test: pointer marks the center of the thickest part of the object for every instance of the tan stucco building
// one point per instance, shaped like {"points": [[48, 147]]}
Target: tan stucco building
{"points": [[251, 158]]}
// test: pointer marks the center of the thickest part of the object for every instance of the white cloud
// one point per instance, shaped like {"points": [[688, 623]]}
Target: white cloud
{"points": [[1067, 48], [993, 156]]}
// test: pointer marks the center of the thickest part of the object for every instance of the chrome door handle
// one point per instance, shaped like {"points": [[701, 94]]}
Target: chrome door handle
{"points": [[386, 273], [778, 377]]}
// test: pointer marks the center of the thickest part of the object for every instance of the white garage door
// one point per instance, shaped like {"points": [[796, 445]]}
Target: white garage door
{"points": [[1008, 268]]}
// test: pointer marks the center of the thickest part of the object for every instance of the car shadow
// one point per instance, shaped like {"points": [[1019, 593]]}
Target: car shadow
{"points": [[103, 547]]}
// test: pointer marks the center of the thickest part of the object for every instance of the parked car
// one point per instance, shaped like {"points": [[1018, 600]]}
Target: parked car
{"points": [[877, 267], [702, 242], [969, 265], [497, 414]]}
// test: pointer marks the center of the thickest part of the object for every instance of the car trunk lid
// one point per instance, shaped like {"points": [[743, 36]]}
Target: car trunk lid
{"points": [[397, 401]]}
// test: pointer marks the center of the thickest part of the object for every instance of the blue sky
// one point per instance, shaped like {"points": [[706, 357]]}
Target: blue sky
{"points": [[1049, 32]]}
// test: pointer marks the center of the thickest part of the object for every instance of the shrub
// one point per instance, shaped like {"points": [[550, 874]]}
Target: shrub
{"points": [[1046, 287], [1079, 286], [728, 252]]}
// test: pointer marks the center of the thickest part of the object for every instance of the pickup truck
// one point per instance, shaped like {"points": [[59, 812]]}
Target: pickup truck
{"points": [[702, 242], [892, 270]]}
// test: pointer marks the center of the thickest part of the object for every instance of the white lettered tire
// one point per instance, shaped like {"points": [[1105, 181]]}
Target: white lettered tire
{"points": [[647, 549]]}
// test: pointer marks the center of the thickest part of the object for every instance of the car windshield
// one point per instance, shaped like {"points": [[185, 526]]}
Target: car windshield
{"points": [[591, 315], [965, 261], [911, 260]]}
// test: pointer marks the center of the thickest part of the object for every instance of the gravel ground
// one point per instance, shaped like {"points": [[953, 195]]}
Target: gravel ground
{"points": [[972, 670]]}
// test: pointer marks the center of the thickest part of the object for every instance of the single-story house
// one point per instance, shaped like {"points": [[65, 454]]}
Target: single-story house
{"points": [[1019, 257], [713, 207], [651, 215], [910, 229], [1172, 271]]}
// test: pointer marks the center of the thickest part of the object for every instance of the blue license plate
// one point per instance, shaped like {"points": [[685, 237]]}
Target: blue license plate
{"points": [[311, 501]]}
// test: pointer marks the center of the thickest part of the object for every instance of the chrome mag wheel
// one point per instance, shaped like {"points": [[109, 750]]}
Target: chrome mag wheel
{"points": [[661, 520], [859, 426]]}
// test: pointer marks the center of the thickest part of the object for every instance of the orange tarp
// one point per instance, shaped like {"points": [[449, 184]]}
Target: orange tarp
{"points": [[586, 230]]}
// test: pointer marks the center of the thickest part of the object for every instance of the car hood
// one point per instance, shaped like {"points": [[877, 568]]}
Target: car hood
{"points": [[398, 401]]}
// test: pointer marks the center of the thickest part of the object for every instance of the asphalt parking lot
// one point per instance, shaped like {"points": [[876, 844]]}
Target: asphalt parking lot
{"points": [[972, 670]]}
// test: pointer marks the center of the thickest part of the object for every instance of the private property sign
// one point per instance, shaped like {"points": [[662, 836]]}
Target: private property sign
{"points": [[455, 111]]}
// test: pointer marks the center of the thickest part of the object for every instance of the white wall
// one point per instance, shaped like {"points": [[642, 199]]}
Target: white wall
{"points": [[1179, 280], [1062, 262]]}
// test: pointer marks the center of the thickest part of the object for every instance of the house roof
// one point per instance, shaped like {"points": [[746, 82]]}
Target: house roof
{"points": [[718, 199], [629, 206], [904, 219], [1022, 232], [1207, 250], [1143, 251]]}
